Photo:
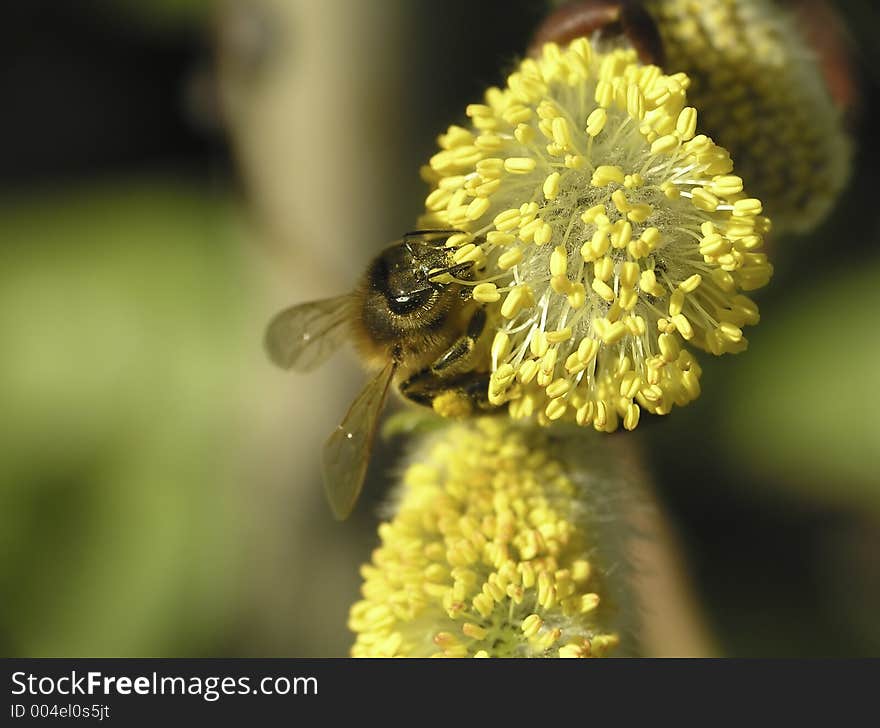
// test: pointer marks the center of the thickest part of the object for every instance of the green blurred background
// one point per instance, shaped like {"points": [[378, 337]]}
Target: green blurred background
{"points": [[175, 172]]}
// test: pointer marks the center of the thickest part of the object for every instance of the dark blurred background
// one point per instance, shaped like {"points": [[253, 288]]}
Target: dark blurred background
{"points": [[174, 172]]}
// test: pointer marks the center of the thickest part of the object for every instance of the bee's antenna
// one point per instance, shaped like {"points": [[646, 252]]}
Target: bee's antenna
{"points": [[453, 270], [428, 237]]}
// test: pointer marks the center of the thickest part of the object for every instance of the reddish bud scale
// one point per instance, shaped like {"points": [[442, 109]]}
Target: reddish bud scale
{"points": [[608, 18], [825, 32]]}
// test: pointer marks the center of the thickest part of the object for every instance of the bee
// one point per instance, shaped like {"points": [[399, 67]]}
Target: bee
{"points": [[414, 322]]}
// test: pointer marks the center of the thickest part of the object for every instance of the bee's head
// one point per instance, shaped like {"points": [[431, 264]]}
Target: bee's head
{"points": [[401, 275], [403, 290]]}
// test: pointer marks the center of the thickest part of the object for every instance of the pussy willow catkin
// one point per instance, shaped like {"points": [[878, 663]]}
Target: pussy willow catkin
{"points": [[761, 93], [508, 540], [609, 237]]}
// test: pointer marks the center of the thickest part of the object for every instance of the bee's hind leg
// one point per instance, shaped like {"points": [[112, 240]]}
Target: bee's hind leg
{"points": [[456, 396], [447, 384]]}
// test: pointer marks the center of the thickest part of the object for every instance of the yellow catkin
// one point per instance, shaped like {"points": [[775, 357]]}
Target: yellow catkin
{"points": [[589, 261], [492, 552]]}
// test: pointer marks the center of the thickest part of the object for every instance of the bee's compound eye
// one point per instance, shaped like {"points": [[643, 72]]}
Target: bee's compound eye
{"points": [[404, 303]]}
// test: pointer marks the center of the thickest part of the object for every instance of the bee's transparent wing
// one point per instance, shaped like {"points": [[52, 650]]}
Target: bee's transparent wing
{"points": [[347, 451], [302, 337]]}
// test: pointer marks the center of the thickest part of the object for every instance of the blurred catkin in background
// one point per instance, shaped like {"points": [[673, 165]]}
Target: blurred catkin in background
{"points": [[514, 540], [762, 93], [507, 542], [159, 491]]}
